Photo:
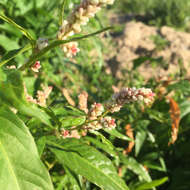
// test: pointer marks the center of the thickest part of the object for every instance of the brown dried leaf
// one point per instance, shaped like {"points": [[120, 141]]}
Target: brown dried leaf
{"points": [[129, 133], [175, 116]]}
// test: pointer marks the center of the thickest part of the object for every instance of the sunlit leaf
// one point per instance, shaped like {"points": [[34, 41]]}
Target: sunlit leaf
{"points": [[88, 162], [117, 134], [20, 165]]}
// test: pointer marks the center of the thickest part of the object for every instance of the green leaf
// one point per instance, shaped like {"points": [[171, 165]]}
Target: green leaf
{"points": [[103, 146], [139, 140], [10, 29], [139, 61], [152, 184], [7, 43], [117, 134], [20, 165], [104, 140], [74, 184], [136, 167], [3, 76], [40, 3], [184, 108], [140, 135], [23, 30], [76, 110], [88, 162], [41, 143], [70, 121], [13, 53], [67, 111]]}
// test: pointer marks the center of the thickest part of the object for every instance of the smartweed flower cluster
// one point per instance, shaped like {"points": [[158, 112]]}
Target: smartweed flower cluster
{"points": [[79, 17], [129, 95]]}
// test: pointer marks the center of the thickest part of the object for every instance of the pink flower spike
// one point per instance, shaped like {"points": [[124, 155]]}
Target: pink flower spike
{"points": [[36, 66], [74, 49]]}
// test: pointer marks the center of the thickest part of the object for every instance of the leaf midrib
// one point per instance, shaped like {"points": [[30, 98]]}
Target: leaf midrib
{"points": [[11, 169]]}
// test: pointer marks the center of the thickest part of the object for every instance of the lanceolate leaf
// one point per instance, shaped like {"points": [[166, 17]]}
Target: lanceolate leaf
{"points": [[117, 134], [20, 165], [72, 121], [136, 167], [100, 145], [139, 140], [152, 184], [88, 162]]}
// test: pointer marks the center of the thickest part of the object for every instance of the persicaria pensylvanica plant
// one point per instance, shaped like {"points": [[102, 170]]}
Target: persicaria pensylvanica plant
{"points": [[96, 117]]}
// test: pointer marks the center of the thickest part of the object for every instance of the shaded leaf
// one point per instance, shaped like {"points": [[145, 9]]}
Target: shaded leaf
{"points": [[136, 167], [74, 184], [152, 184]]}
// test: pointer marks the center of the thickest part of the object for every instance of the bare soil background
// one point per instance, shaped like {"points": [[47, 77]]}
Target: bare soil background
{"points": [[139, 39]]}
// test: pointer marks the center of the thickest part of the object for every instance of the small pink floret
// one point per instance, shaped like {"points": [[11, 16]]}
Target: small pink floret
{"points": [[65, 133], [112, 122], [74, 50], [36, 66]]}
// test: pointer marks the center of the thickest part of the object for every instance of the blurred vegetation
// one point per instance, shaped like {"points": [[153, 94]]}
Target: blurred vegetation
{"points": [[173, 13]]}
